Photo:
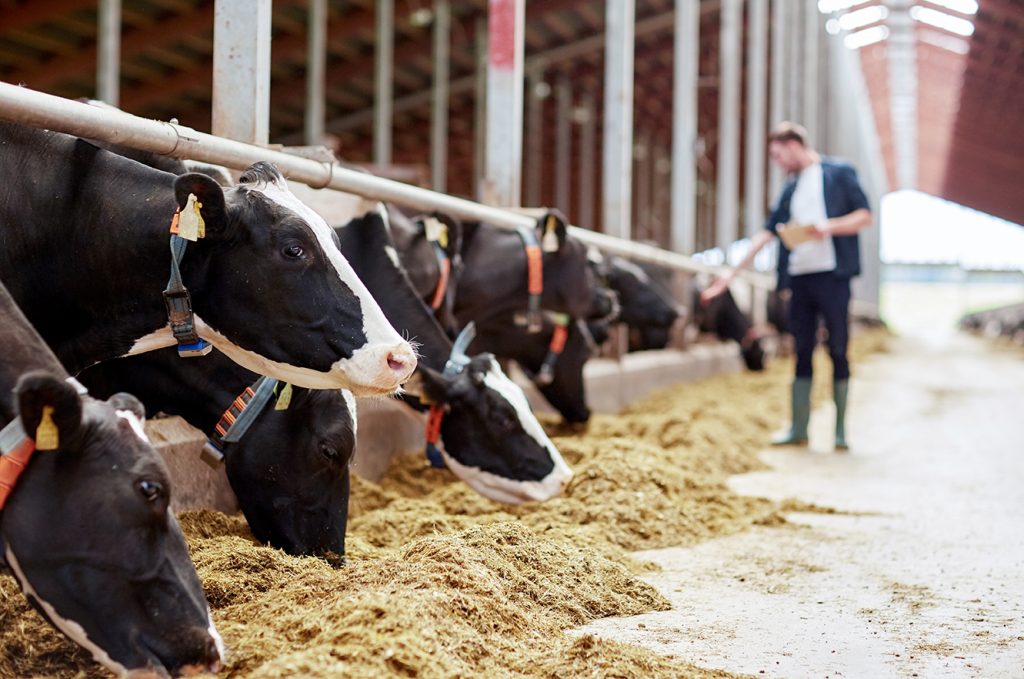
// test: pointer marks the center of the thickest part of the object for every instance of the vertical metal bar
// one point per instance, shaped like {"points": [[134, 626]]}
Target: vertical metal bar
{"points": [[505, 21], [439, 97], [536, 90], [617, 168], [811, 62], [757, 75], [241, 70], [384, 56], [563, 143], [794, 19], [641, 215], [316, 69], [108, 55], [684, 126], [587, 167], [902, 59], [780, 75], [480, 110], [727, 181]]}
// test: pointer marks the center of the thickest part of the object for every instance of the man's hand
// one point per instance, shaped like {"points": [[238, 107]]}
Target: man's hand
{"points": [[719, 286], [822, 229]]}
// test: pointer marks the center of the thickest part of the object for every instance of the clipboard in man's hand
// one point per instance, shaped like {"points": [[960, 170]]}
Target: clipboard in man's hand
{"points": [[794, 234]]}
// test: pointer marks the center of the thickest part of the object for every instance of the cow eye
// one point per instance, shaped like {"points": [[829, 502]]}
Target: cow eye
{"points": [[329, 451], [292, 251], [151, 490]]}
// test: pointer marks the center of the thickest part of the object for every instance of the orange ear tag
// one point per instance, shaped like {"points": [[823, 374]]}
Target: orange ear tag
{"points": [[190, 224], [47, 435], [285, 398]]}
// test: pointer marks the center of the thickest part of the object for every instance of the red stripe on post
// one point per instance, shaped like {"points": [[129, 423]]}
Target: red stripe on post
{"points": [[501, 33]]}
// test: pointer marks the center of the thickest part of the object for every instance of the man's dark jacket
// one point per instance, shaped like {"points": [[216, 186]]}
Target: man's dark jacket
{"points": [[843, 195]]}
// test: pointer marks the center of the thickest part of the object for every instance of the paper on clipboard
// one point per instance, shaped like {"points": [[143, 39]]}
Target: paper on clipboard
{"points": [[794, 234]]}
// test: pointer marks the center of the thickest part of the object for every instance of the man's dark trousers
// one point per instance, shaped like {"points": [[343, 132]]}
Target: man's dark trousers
{"points": [[828, 296]]}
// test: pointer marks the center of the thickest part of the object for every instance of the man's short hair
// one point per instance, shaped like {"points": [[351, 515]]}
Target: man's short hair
{"points": [[787, 131]]}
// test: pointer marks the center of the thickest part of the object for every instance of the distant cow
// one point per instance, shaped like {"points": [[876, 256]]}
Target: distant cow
{"points": [[84, 520], [263, 280], [724, 319]]}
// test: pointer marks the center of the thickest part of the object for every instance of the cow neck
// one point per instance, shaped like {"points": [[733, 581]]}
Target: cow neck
{"points": [[495, 278], [96, 308], [365, 243], [198, 391], [23, 351]]}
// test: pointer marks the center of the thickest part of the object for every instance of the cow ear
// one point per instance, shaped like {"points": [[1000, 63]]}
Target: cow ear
{"points": [[454, 246], [552, 230], [125, 401], [207, 192], [50, 408]]}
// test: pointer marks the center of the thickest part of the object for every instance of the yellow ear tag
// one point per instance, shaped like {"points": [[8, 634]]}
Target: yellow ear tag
{"points": [[190, 224], [550, 241], [284, 399], [47, 436], [442, 237]]}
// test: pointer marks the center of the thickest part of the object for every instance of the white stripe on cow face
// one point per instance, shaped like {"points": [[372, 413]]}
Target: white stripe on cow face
{"points": [[350, 403], [70, 628], [133, 421], [509, 490], [375, 325]]}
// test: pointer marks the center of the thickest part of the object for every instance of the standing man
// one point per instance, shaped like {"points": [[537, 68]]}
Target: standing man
{"points": [[823, 193]]}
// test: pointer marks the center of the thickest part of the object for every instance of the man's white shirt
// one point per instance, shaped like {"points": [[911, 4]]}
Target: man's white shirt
{"points": [[808, 207]]}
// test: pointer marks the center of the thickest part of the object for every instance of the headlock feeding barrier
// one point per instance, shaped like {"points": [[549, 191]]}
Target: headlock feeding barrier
{"points": [[37, 109]]}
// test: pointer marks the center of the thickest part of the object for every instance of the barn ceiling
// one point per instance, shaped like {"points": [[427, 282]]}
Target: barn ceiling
{"points": [[971, 144]]}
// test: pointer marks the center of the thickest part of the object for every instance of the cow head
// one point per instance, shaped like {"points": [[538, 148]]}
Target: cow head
{"points": [[269, 285], [492, 439], [291, 471], [89, 537]]}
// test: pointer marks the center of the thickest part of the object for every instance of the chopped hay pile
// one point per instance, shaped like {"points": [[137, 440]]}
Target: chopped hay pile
{"points": [[442, 582]]}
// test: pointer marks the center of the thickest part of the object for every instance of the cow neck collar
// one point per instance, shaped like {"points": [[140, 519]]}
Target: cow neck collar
{"points": [[16, 450], [556, 346], [238, 418], [179, 302], [534, 279], [458, 359]]}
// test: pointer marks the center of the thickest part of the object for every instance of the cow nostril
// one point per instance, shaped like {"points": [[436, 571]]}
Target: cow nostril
{"points": [[395, 363]]}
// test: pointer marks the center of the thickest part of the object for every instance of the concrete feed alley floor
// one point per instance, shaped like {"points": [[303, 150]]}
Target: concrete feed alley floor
{"points": [[921, 573]]}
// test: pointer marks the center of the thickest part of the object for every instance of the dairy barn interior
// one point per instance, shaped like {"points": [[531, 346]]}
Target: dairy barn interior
{"points": [[588, 502]]}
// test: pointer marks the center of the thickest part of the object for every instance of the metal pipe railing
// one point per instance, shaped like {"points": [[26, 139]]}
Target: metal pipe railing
{"points": [[37, 109]]}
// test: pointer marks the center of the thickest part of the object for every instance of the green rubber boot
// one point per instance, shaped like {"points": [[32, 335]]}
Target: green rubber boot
{"points": [[797, 434], [839, 390]]}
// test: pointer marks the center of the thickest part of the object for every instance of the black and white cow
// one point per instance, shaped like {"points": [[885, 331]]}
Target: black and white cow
{"points": [[86, 529], [722, 317], [492, 440], [289, 470], [86, 254]]}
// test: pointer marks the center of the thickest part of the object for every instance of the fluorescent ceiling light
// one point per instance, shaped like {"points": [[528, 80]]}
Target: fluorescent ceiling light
{"points": [[946, 22], [868, 36], [829, 6], [862, 17], [962, 6], [946, 42]]}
